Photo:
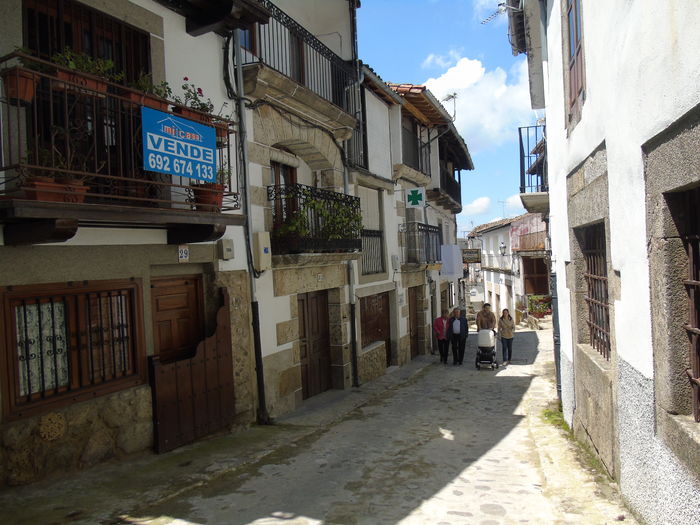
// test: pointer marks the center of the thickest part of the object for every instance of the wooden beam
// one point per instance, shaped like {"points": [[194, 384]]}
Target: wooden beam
{"points": [[39, 231]]}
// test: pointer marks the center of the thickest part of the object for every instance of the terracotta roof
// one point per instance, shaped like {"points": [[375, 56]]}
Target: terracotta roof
{"points": [[422, 104], [377, 85], [495, 224]]}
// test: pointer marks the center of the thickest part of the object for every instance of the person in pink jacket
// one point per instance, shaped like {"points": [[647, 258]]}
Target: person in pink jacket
{"points": [[440, 329]]}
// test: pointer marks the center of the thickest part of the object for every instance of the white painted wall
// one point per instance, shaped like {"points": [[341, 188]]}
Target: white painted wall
{"points": [[628, 101]]}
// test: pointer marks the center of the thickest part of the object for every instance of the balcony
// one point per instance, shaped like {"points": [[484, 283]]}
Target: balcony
{"points": [[449, 194], [372, 252], [421, 245], [532, 242], [283, 60], [415, 162], [312, 220], [534, 187], [72, 152]]}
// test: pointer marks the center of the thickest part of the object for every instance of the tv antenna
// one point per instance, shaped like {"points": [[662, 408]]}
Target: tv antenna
{"points": [[453, 98], [503, 208], [502, 8]]}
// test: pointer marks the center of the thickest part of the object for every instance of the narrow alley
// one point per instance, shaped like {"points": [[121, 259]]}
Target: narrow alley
{"points": [[440, 444]]}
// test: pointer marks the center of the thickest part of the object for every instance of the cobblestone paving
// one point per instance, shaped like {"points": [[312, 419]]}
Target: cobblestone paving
{"points": [[453, 445]]}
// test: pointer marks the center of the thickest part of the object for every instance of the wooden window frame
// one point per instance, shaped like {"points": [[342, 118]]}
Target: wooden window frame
{"points": [[16, 406], [576, 85], [86, 29]]}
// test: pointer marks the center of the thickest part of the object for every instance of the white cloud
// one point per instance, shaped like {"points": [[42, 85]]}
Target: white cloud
{"points": [[441, 61], [477, 206], [490, 104], [513, 203]]}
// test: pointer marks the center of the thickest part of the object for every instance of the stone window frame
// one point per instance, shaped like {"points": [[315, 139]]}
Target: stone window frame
{"points": [[671, 167], [51, 398]]}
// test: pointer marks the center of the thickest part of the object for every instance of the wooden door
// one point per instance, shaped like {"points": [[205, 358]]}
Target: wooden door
{"points": [[314, 336], [376, 321], [413, 319], [177, 305]]}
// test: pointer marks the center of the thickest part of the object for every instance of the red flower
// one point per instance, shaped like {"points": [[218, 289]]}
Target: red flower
{"points": [[199, 91], [185, 79]]}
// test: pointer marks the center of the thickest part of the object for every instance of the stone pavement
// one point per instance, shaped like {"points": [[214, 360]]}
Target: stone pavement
{"points": [[424, 444]]}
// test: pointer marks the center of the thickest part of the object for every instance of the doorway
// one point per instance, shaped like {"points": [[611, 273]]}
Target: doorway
{"points": [[376, 324], [314, 340]]}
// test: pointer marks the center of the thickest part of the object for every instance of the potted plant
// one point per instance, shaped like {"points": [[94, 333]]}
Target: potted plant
{"points": [[194, 100], [151, 95], [39, 185], [90, 74], [20, 81], [209, 196]]}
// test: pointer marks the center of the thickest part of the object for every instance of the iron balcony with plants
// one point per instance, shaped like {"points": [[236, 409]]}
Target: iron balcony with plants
{"points": [[307, 219], [73, 152]]}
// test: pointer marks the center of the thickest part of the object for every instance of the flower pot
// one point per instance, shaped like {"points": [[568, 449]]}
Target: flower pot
{"points": [[208, 196], [46, 189], [192, 115], [144, 99], [222, 132], [20, 85], [77, 81]]}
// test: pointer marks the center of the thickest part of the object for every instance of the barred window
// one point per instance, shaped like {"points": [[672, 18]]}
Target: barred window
{"points": [[596, 276], [690, 232], [67, 342]]}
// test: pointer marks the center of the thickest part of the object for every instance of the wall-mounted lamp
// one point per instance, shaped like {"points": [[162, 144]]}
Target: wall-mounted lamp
{"points": [[502, 248]]}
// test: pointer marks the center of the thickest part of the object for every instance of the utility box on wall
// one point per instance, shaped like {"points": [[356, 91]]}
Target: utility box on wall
{"points": [[262, 253]]}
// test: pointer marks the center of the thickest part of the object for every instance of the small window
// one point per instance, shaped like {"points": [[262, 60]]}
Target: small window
{"points": [[596, 277], [575, 55], [690, 232], [66, 343]]}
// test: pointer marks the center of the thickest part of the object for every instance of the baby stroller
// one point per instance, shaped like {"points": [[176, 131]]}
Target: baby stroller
{"points": [[486, 352]]}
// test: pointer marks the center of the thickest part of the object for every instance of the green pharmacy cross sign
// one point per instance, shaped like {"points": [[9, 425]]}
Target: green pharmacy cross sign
{"points": [[415, 198]]}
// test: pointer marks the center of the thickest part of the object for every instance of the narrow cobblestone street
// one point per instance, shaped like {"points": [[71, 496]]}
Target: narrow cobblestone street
{"points": [[450, 445]]}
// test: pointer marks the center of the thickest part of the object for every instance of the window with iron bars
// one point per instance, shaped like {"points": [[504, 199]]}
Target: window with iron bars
{"points": [[596, 276], [691, 237], [64, 343]]}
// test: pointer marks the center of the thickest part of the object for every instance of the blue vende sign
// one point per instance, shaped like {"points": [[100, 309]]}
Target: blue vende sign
{"points": [[178, 146]]}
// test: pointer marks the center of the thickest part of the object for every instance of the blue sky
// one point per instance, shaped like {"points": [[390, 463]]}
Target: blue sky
{"points": [[442, 43]]}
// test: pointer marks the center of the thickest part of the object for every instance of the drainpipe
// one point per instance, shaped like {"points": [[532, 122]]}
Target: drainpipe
{"points": [[262, 416], [346, 189]]}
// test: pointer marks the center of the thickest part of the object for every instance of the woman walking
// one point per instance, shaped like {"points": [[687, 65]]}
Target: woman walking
{"points": [[506, 327]]}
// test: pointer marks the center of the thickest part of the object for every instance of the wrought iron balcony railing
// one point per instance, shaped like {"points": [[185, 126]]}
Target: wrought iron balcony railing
{"points": [[450, 186], [421, 243], [533, 160], [73, 137], [286, 46], [307, 219], [372, 252]]}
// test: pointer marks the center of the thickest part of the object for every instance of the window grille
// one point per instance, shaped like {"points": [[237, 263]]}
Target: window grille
{"points": [[691, 237], [596, 276], [53, 25], [66, 342]]}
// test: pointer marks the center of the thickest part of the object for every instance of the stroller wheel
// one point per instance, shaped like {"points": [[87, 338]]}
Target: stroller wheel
{"points": [[496, 365]]}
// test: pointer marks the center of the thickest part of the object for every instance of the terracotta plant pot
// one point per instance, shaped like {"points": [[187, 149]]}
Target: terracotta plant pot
{"points": [[192, 115], [143, 99], [208, 196], [20, 85], [47, 189], [77, 81]]}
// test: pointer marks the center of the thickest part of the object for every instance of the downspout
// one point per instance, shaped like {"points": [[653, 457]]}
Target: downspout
{"points": [[263, 417], [346, 189]]}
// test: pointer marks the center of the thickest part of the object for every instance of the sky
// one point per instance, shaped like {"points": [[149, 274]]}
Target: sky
{"points": [[442, 44]]}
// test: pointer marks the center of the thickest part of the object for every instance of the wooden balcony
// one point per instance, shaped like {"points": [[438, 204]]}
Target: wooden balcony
{"points": [[72, 153]]}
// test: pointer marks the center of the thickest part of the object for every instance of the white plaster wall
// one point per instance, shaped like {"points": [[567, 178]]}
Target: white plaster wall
{"points": [[378, 136], [328, 20], [628, 101]]}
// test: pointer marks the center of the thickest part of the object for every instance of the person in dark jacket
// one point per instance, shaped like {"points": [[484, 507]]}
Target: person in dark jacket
{"points": [[457, 333]]}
